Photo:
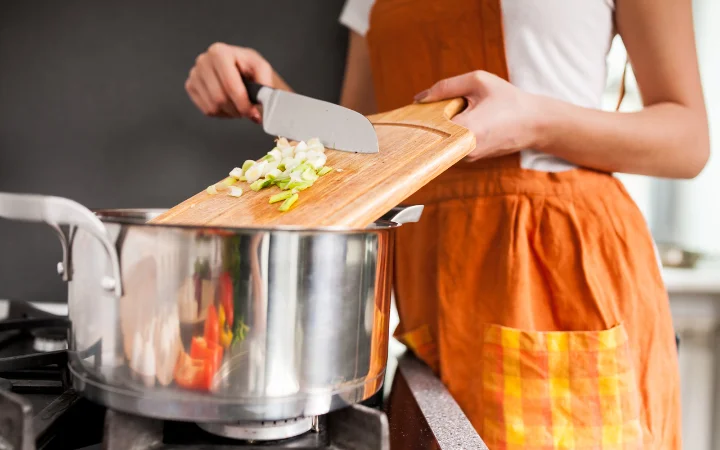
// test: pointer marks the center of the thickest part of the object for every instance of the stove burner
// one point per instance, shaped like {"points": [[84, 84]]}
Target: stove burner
{"points": [[49, 339], [261, 431], [5, 385]]}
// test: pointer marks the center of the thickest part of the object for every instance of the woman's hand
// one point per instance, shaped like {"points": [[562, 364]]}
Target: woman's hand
{"points": [[503, 118], [215, 83]]}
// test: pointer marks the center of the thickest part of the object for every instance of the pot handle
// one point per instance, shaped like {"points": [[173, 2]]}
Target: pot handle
{"points": [[404, 214], [56, 211]]}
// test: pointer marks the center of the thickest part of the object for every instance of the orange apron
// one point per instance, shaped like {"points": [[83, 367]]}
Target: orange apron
{"points": [[535, 296]]}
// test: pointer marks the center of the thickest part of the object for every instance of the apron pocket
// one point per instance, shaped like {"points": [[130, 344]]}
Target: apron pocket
{"points": [[559, 390]]}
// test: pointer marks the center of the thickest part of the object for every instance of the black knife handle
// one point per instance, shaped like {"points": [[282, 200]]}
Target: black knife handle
{"points": [[252, 89]]}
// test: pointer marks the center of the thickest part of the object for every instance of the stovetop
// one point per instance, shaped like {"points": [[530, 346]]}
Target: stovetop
{"points": [[40, 410]]}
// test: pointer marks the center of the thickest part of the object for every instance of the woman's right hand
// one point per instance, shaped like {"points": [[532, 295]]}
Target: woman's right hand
{"points": [[215, 82]]}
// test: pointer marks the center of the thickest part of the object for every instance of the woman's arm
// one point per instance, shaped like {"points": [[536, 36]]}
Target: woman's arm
{"points": [[357, 91], [669, 137]]}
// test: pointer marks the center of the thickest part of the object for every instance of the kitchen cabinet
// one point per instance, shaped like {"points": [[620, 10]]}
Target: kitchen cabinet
{"points": [[695, 304]]}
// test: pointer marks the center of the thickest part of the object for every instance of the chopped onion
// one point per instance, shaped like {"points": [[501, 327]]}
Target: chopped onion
{"points": [[255, 172], [235, 191], [282, 143], [211, 190], [236, 173], [276, 154], [300, 147]]}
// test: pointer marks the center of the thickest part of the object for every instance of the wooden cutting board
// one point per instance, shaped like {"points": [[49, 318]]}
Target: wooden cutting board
{"points": [[417, 143]]}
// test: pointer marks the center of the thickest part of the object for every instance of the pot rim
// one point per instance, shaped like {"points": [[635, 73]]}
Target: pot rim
{"points": [[137, 217]]}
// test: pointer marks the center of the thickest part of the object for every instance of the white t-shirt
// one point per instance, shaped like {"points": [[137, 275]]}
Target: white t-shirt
{"points": [[556, 48]]}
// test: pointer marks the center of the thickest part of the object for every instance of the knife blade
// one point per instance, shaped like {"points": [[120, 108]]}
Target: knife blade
{"points": [[297, 117]]}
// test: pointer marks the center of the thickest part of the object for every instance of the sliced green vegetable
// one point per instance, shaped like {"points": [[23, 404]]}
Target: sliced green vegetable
{"points": [[247, 164], [273, 174], [287, 204], [281, 196], [309, 175], [325, 170], [299, 185], [302, 168], [260, 184], [283, 184]]}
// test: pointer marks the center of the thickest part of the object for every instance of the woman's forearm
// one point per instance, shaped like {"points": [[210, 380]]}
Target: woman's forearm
{"points": [[663, 140]]}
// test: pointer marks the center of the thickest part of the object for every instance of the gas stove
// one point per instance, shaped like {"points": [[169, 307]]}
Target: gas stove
{"points": [[39, 409]]}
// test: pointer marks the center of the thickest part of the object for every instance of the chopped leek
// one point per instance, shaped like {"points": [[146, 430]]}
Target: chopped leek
{"points": [[269, 167], [247, 164], [300, 147], [276, 154], [290, 163], [281, 196], [325, 170], [211, 190], [309, 175], [236, 173], [222, 185], [287, 152], [299, 185], [287, 204], [282, 143], [235, 191], [273, 174], [260, 184], [318, 161], [255, 172]]}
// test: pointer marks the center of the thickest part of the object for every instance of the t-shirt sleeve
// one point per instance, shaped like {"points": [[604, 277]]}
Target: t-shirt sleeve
{"points": [[356, 15]]}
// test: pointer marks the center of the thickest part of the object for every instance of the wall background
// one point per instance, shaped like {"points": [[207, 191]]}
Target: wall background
{"points": [[92, 105]]}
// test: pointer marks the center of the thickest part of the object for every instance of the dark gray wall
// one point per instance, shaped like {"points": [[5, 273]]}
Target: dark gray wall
{"points": [[92, 105]]}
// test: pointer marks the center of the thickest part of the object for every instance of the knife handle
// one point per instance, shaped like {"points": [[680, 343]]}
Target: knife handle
{"points": [[252, 90]]}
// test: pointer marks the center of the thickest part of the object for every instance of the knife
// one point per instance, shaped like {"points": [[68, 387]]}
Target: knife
{"points": [[297, 117]]}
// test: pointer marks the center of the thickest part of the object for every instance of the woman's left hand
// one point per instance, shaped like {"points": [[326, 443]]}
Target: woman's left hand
{"points": [[503, 118]]}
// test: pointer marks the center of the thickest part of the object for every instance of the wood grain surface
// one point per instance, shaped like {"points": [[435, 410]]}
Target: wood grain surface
{"points": [[417, 143]]}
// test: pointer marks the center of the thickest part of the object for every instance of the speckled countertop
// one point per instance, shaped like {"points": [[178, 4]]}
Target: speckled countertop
{"points": [[443, 418]]}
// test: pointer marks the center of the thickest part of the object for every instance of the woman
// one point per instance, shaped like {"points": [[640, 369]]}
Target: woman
{"points": [[531, 284]]}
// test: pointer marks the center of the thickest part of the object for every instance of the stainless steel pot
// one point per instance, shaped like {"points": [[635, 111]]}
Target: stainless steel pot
{"points": [[305, 312]]}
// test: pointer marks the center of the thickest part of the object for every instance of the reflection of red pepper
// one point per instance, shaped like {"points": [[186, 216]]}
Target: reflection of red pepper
{"points": [[226, 297], [212, 325], [209, 352], [192, 373]]}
